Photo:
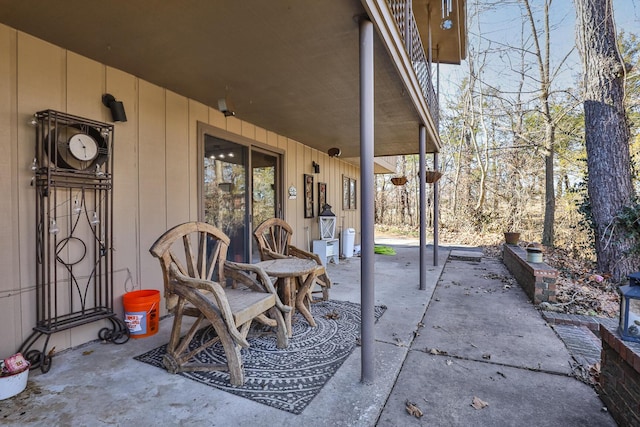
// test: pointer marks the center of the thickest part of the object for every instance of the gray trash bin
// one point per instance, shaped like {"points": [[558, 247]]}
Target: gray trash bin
{"points": [[348, 238]]}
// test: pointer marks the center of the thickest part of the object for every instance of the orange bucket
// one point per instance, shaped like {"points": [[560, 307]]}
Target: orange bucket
{"points": [[141, 312]]}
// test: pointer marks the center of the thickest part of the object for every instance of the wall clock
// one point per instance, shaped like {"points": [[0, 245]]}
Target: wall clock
{"points": [[83, 147], [76, 146]]}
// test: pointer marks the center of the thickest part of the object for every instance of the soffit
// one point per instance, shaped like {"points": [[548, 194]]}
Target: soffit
{"points": [[291, 67]]}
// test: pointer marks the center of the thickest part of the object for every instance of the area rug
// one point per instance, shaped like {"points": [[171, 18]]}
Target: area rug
{"points": [[287, 379]]}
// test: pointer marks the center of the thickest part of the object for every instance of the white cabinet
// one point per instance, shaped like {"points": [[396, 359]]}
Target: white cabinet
{"points": [[327, 249]]}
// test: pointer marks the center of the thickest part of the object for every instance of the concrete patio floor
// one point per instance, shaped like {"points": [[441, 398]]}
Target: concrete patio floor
{"points": [[525, 381]]}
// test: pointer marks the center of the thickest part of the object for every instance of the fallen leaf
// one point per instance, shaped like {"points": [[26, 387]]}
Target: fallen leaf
{"points": [[478, 403], [332, 315], [86, 353], [437, 352], [413, 409]]}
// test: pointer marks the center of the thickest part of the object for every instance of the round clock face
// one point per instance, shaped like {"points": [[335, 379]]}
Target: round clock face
{"points": [[83, 147], [76, 147]]}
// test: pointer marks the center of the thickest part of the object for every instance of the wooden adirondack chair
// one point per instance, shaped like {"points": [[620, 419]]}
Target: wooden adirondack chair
{"points": [[193, 260], [274, 241]]}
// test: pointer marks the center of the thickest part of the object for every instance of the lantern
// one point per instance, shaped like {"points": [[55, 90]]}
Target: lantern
{"points": [[630, 309], [327, 223]]}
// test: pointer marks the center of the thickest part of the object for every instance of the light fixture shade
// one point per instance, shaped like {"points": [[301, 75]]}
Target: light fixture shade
{"points": [[225, 107], [117, 108]]}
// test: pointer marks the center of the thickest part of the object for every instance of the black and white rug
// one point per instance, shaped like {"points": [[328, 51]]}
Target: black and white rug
{"points": [[290, 378]]}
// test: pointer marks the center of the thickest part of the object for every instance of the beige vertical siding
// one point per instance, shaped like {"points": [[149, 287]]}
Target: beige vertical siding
{"points": [[10, 317], [155, 171]]}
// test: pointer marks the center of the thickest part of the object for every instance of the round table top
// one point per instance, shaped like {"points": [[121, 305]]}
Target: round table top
{"points": [[288, 267]]}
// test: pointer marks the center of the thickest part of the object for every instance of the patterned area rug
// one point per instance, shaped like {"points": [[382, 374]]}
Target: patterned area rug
{"points": [[290, 378]]}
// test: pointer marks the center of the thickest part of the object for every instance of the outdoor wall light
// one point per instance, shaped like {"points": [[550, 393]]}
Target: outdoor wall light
{"points": [[334, 152], [225, 107], [316, 167], [117, 108]]}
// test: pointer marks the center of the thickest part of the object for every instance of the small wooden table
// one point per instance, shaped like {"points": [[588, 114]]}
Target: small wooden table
{"points": [[293, 287]]}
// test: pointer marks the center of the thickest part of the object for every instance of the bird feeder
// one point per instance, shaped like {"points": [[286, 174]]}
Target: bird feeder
{"points": [[629, 327]]}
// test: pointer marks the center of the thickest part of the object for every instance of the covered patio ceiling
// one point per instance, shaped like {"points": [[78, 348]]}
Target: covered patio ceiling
{"points": [[291, 67]]}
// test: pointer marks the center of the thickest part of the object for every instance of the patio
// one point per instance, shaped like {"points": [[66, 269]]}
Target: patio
{"points": [[468, 316]]}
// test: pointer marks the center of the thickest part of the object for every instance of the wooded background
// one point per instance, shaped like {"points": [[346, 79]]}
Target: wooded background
{"points": [[513, 134]]}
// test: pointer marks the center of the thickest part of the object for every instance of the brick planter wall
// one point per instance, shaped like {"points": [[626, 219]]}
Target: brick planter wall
{"points": [[537, 279], [619, 384]]}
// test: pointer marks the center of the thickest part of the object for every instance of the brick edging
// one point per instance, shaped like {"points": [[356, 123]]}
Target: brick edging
{"points": [[591, 322], [619, 383], [538, 280], [628, 351]]}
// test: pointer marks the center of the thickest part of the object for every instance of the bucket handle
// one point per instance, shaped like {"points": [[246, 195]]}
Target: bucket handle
{"points": [[152, 308]]}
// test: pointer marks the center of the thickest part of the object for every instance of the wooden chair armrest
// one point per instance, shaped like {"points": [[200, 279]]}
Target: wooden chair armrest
{"points": [[218, 293], [300, 253], [261, 283], [268, 254]]}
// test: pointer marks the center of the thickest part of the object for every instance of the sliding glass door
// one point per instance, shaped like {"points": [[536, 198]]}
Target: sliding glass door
{"points": [[240, 188], [225, 192]]}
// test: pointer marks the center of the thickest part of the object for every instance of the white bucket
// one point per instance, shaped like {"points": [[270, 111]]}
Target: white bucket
{"points": [[13, 384]]}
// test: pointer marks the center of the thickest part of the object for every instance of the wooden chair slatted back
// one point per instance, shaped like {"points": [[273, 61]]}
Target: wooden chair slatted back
{"points": [[200, 262], [275, 235]]}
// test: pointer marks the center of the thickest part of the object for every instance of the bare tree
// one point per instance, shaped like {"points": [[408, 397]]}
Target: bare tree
{"points": [[542, 56], [606, 135]]}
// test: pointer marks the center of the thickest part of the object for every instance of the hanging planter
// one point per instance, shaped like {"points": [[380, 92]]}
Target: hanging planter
{"points": [[433, 176], [399, 180]]}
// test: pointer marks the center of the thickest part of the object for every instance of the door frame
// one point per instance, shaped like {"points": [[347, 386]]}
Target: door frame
{"points": [[207, 129]]}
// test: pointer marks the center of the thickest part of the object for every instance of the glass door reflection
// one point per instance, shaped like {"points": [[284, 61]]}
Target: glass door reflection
{"points": [[265, 195], [225, 193]]}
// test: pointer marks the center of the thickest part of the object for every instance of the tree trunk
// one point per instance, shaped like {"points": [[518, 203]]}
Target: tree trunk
{"points": [[549, 190], [606, 134], [544, 67]]}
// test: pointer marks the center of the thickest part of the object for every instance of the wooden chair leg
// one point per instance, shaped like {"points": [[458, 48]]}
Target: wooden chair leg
{"points": [[266, 321], [282, 334], [303, 295], [325, 293]]}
